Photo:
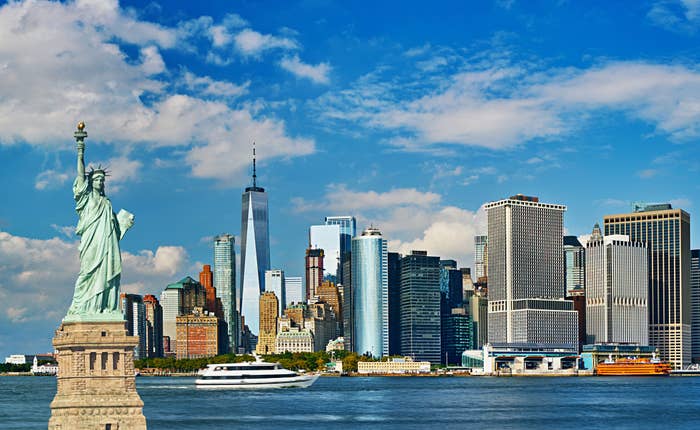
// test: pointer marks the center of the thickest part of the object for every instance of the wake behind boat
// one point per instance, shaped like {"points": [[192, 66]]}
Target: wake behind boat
{"points": [[257, 375]]}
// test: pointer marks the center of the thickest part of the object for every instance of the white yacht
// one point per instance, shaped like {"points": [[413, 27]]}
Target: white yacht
{"points": [[252, 375]]}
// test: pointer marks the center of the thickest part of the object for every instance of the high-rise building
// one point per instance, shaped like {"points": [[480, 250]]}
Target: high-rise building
{"points": [[526, 274], [327, 238], [695, 294], [135, 315], [370, 293], [348, 230], [197, 334], [451, 284], [180, 298], [328, 293], [616, 291], [420, 307], [294, 290], [479, 312], [275, 283], [480, 256], [456, 335], [255, 250], [154, 326], [575, 263], [394, 264], [666, 231], [225, 288], [314, 270], [206, 278], [269, 305], [348, 307]]}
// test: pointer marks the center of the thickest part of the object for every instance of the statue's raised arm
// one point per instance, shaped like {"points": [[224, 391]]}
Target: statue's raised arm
{"points": [[96, 296]]}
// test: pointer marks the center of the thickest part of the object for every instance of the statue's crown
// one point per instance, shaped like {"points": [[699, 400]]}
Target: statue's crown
{"points": [[98, 171]]}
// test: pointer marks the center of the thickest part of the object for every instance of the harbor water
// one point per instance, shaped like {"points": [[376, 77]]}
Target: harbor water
{"points": [[388, 403]]}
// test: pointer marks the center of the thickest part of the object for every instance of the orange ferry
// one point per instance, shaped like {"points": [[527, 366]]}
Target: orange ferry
{"points": [[633, 367]]}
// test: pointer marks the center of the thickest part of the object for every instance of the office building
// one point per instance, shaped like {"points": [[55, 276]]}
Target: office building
{"points": [[666, 231], [348, 314], [456, 336], [394, 278], [695, 295], [314, 270], [451, 284], [225, 288], [420, 307], [575, 262], [294, 339], [348, 230], [267, 339], [327, 238], [206, 278], [328, 293], [294, 290], [275, 283], [197, 334], [134, 312], [180, 298], [370, 294], [526, 274], [255, 250], [479, 312], [154, 326], [480, 256], [616, 291]]}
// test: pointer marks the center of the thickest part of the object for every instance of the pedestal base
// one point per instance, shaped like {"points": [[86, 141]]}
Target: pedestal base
{"points": [[96, 385]]}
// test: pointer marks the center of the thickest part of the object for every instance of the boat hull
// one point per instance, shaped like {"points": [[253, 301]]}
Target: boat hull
{"points": [[301, 381], [633, 369]]}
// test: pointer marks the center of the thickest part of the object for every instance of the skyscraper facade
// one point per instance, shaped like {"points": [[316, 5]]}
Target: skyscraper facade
{"points": [[327, 238], [394, 264], [456, 335], [348, 230], [275, 283], [154, 326], [135, 315], [575, 262], [313, 263], [526, 274], [480, 256], [616, 291], [294, 290], [269, 305], [666, 231], [695, 294], [206, 278], [255, 251], [225, 285], [180, 298], [420, 307], [370, 293]]}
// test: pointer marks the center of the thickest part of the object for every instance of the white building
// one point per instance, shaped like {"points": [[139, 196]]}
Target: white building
{"points": [[616, 291], [274, 282], [294, 290], [526, 274], [44, 369], [294, 340], [393, 365]]}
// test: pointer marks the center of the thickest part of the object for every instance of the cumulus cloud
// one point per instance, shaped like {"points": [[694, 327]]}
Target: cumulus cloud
{"points": [[680, 16], [342, 199], [50, 179], [318, 73], [251, 43], [210, 87]]}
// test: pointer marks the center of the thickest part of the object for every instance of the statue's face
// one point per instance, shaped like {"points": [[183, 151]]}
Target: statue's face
{"points": [[98, 183]]}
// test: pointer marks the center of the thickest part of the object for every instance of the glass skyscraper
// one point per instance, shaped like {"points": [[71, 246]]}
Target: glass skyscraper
{"points": [[327, 238], [275, 283], [255, 251], [348, 230], [480, 256], [695, 294], [666, 231], [370, 294], [225, 285], [575, 261]]}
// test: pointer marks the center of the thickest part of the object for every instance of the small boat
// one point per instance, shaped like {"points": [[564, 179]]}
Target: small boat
{"points": [[252, 375], [633, 366]]}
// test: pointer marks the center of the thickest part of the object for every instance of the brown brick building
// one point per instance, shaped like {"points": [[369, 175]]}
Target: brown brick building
{"points": [[197, 335]]}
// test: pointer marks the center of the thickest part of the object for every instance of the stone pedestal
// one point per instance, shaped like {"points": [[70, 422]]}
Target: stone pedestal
{"points": [[96, 386]]}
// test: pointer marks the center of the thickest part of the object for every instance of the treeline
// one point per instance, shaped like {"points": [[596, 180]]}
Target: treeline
{"points": [[308, 361], [8, 367]]}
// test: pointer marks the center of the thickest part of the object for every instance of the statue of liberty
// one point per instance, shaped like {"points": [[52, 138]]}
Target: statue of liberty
{"points": [[96, 296]]}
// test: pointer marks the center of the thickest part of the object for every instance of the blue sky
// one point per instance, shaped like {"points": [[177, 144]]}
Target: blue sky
{"points": [[407, 115]]}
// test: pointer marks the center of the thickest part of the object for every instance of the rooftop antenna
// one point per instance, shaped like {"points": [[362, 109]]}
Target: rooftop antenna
{"points": [[254, 175]]}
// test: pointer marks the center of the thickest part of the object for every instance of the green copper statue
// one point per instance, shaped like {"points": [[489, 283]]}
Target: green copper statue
{"points": [[96, 296]]}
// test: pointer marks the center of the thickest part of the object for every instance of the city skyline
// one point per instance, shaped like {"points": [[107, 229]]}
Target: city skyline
{"points": [[490, 104]]}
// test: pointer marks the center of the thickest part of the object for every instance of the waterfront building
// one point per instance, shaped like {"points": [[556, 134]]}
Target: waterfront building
{"points": [[322, 322], [420, 307], [197, 334], [479, 311], [328, 293], [616, 291], [154, 326], [522, 359], [666, 231], [451, 284], [456, 335], [526, 274], [179, 298], [575, 262], [348, 314], [394, 282], [45, 368], [293, 290], [336, 345], [134, 312], [348, 230], [269, 308], [370, 293], [275, 283], [578, 298], [27, 358], [394, 365], [225, 289], [294, 339], [695, 296], [314, 270], [327, 238], [255, 250], [480, 256], [594, 354]]}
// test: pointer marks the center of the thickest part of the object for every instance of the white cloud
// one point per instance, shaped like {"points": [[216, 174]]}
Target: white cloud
{"points": [[680, 16], [50, 179], [318, 73], [67, 230], [151, 61], [207, 86], [341, 199], [251, 43], [681, 203]]}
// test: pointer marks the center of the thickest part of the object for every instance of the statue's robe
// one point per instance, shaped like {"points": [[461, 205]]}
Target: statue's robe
{"points": [[97, 286]]}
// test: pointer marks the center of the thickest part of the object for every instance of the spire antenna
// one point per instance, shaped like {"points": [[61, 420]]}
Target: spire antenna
{"points": [[254, 175]]}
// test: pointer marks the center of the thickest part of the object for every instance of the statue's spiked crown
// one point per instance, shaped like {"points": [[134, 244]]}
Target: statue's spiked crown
{"points": [[98, 171]]}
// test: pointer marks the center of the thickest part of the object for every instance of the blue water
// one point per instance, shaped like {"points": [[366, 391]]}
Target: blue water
{"points": [[388, 403]]}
